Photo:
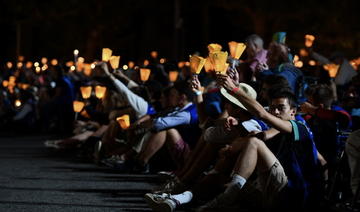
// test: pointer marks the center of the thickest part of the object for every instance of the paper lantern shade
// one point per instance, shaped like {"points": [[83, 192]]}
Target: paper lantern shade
{"points": [[309, 40], [218, 59], [332, 69], [114, 61], [106, 54], [124, 121], [214, 47], [173, 75], [100, 91], [196, 64], [144, 74], [87, 69], [86, 91], [78, 106], [236, 49], [208, 66]]}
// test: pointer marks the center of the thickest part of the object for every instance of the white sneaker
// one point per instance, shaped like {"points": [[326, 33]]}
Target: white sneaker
{"points": [[161, 202]]}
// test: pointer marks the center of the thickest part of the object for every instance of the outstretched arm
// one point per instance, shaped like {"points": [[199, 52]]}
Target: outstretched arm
{"points": [[253, 106]]}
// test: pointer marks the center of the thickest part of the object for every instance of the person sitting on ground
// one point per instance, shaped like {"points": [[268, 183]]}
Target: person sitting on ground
{"points": [[286, 163]]}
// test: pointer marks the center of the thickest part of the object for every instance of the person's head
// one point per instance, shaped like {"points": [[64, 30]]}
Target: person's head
{"points": [[321, 96], [180, 94], [272, 81], [165, 99], [254, 44], [277, 54], [283, 104], [233, 106]]}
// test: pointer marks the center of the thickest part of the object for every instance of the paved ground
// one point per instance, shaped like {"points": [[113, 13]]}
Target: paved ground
{"points": [[33, 178]]}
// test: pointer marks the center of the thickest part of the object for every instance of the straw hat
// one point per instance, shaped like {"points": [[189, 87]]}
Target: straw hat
{"points": [[246, 88]]}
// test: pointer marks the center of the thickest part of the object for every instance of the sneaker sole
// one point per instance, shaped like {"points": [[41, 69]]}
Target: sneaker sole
{"points": [[156, 205]]}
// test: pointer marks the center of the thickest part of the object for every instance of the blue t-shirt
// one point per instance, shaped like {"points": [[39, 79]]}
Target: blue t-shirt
{"points": [[297, 154]]}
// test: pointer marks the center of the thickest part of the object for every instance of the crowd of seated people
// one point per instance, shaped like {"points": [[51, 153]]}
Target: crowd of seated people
{"points": [[255, 136]]}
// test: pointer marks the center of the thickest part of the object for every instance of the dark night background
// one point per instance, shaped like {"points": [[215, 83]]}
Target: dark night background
{"points": [[176, 28]]}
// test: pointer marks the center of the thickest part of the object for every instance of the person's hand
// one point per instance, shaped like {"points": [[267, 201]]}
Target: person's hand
{"points": [[225, 81], [261, 67], [230, 122], [308, 108], [195, 83], [104, 67], [234, 75]]}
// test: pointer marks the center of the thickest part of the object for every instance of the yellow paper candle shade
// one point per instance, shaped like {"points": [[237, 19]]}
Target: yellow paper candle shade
{"points": [[144, 74], [85, 114], [100, 91], [114, 61], [214, 47], [208, 65], [85, 91], [78, 106], [196, 64], [87, 69], [106, 54], [224, 69], [124, 121], [173, 75], [332, 69], [218, 59], [236, 49], [309, 40]]}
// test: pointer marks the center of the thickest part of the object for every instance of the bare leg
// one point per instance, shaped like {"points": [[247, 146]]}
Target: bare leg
{"points": [[179, 150], [255, 154], [153, 144]]}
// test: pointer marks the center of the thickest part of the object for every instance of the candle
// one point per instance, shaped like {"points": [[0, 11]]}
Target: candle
{"points": [[124, 121], [144, 74], [100, 91], [106, 54], [78, 106], [196, 64], [85, 91]]}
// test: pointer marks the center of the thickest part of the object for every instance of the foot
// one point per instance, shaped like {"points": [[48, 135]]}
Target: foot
{"points": [[161, 202]]}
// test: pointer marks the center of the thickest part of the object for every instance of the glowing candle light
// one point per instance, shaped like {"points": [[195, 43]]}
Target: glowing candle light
{"points": [[5, 83], [181, 64], [218, 59], [78, 106], [36, 64], [92, 65], [114, 62], [162, 60], [312, 62], [214, 47], [72, 68], [17, 103], [154, 54], [299, 64], [100, 91], [196, 64], [309, 40], [144, 74], [131, 64], [146, 62], [124, 121], [106, 54], [38, 69], [173, 75], [125, 67], [9, 65], [85, 91], [332, 69], [29, 65], [19, 64], [236, 49], [87, 69], [44, 60], [54, 62]]}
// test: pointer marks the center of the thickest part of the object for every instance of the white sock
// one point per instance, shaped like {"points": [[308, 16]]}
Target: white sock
{"points": [[236, 182], [184, 197]]}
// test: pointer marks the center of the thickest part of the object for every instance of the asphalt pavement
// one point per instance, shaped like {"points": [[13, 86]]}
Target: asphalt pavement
{"points": [[33, 178]]}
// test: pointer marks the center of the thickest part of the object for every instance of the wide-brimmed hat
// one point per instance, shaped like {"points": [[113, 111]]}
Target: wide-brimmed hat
{"points": [[246, 88]]}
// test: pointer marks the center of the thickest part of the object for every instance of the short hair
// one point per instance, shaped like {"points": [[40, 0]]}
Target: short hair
{"points": [[276, 80], [255, 40], [284, 93], [323, 94], [183, 87], [279, 51]]}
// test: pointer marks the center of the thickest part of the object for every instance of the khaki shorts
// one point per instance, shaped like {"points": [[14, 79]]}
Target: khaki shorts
{"points": [[271, 182]]}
